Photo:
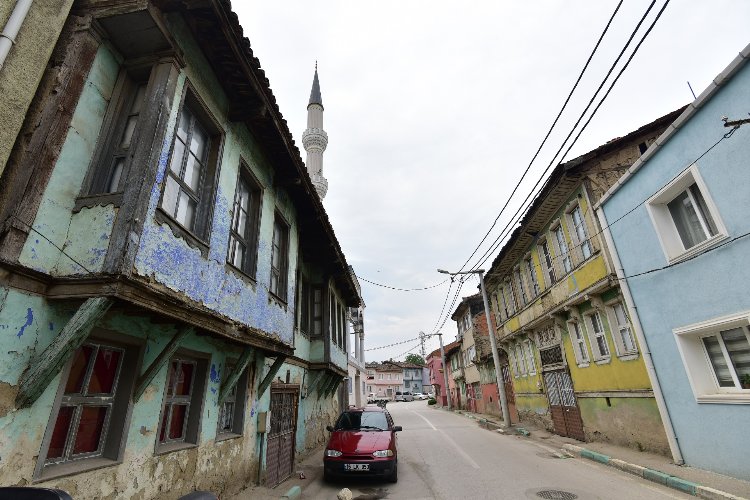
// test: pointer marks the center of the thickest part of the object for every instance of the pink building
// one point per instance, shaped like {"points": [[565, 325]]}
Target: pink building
{"points": [[384, 379], [437, 381]]}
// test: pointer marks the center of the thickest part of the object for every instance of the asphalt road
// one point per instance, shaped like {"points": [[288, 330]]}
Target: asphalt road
{"points": [[447, 456]]}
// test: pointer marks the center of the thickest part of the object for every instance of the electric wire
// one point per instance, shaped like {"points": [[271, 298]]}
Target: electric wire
{"points": [[544, 141], [402, 289]]}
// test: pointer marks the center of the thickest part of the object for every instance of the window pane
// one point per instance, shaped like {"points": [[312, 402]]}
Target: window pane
{"points": [[193, 173], [241, 222], [186, 210], [718, 361], [178, 154], [177, 421], [705, 214], [686, 220], [140, 97], [184, 379], [225, 419], [60, 433], [164, 423], [127, 134], [239, 253], [174, 371], [738, 349], [182, 128], [563, 245], [105, 370], [90, 429], [169, 203], [74, 385], [198, 142], [114, 178]]}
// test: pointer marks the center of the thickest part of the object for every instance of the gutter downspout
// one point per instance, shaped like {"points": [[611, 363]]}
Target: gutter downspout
{"points": [[674, 446], [12, 27]]}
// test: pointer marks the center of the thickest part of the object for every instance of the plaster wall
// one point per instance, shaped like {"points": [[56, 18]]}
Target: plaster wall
{"points": [[709, 286], [26, 63], [29, 323], [84, 237]]}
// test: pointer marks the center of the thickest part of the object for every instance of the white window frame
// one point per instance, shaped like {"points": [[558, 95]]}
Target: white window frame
{"points": [[593, 335], [698, 365], [578, 339], [528, 263], [521, 359], [579, 244], [666, 230], [518, 280], [616, 330], [547, 260], [565, 264], [530, 361], [510, 298]]}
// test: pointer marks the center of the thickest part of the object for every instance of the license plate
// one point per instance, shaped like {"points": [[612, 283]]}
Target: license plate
{"points": [[356, 466]]}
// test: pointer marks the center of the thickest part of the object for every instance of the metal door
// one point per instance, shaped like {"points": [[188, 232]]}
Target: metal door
{"points": [[281, 435], [566, 417]]}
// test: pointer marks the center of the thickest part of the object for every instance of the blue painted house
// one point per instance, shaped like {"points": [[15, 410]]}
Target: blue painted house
{"points": [[173, 298], [679, 222]]}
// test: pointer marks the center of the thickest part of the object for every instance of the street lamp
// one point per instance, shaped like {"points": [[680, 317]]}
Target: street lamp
{"points": [[493, 343]]}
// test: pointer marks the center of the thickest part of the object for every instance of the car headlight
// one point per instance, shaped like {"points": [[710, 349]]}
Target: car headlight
{"points": [[333, 453], [382, 453]]}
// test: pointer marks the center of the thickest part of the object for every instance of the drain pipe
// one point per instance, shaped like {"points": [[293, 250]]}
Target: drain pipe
{"points": [[674, 446], [12, 27]]}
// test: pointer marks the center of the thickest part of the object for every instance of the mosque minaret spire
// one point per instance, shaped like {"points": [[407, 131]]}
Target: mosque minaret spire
{"points": [[315, 139]]}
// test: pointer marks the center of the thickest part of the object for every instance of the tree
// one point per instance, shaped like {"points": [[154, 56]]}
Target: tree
{"points": [[415, 359]]}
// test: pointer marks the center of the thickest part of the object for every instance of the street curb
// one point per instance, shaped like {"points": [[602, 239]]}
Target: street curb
{"points": [[651, 474], [294, 492]]}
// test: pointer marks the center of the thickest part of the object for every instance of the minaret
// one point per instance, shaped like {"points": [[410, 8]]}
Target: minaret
{"points": [[315, 139]]}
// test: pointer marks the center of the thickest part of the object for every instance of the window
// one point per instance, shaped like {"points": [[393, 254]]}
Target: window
{"points": [[471, 353], [547, 263], [562, 245], [530, 362], [310, 308], [621, 331], [243, 231], [183, 401], [519, 286], [279, 258], [579, 344], [380, 376], [685, 217], [531, 271], [716, 355], [506, 306], [520, 359], [93, 406], [232, 410], [111, 164], [598, 340], [188, 191], [582, 236], [509, 299]]}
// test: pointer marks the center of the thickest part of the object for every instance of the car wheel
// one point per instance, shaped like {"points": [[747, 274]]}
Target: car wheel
{"points": [[394, 474]]}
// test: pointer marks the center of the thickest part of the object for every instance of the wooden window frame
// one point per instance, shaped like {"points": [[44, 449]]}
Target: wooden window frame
{"points": [[249, 240], [279, 275], [238, 399]]}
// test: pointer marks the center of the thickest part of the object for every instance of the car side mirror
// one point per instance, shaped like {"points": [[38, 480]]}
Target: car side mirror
{"points": [[329, 428], [397, 428]]}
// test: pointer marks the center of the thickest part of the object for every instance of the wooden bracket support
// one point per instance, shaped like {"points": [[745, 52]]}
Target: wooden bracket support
{"points": [[270, 375], [336, 381], [233, 377], [314, 382], [157, 364], [48, 364]]}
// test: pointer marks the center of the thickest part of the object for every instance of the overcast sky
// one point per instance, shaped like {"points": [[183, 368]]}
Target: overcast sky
{"points": [[434, 109]]}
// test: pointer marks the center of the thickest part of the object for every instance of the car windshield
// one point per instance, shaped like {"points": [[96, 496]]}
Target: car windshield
{"points": [[367, 420]]}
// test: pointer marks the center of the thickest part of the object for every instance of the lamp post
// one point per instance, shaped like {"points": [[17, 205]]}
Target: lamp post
{"points": [[493, 343]]}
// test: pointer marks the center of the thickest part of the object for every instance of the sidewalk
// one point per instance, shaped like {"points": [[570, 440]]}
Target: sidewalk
{"points": [[658, 468]]}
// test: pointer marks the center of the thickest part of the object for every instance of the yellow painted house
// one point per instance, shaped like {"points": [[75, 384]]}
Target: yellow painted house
{"points": [[576, 365]]}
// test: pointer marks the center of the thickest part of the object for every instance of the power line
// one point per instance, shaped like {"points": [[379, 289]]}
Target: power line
{"points": [[403, 289], [391, 345], [32, 228], [544, 141]]}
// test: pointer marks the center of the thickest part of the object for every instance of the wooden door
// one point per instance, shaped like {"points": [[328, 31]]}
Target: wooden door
{"points": [[510, 395], [281, 436], [566, 416]]}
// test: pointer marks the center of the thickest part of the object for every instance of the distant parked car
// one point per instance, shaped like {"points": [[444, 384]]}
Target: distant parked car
{"points": [[363, 442], [420, 396], [404, 396]]}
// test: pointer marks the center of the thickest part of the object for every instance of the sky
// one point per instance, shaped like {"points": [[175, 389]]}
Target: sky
{"points": [[434, 109]]}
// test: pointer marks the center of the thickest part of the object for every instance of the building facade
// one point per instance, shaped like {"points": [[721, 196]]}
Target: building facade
{"points": [[678, 224], [386, 381], [177, 295], [576, 365]]}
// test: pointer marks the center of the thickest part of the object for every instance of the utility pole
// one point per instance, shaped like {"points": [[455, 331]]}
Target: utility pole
{"points": [[493, 343], [445, 371], [422, 336]]}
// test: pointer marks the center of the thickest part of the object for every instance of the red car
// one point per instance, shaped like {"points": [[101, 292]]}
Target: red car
{"points": [[363, 442]]}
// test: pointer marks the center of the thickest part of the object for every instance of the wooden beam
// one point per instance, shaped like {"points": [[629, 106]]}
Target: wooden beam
{"points": [[157, 364], [233, 377], [336, 381], [270, 375], [48, 364], [323, 389], [314, 382]]}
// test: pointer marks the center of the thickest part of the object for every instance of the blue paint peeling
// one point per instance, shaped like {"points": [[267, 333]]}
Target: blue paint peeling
{"points": [[29, 321], [214, 374], [213, 390]]}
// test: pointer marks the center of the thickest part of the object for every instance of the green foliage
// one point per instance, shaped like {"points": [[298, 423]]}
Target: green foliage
{"points": [[415, 359], [431, 401]]}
